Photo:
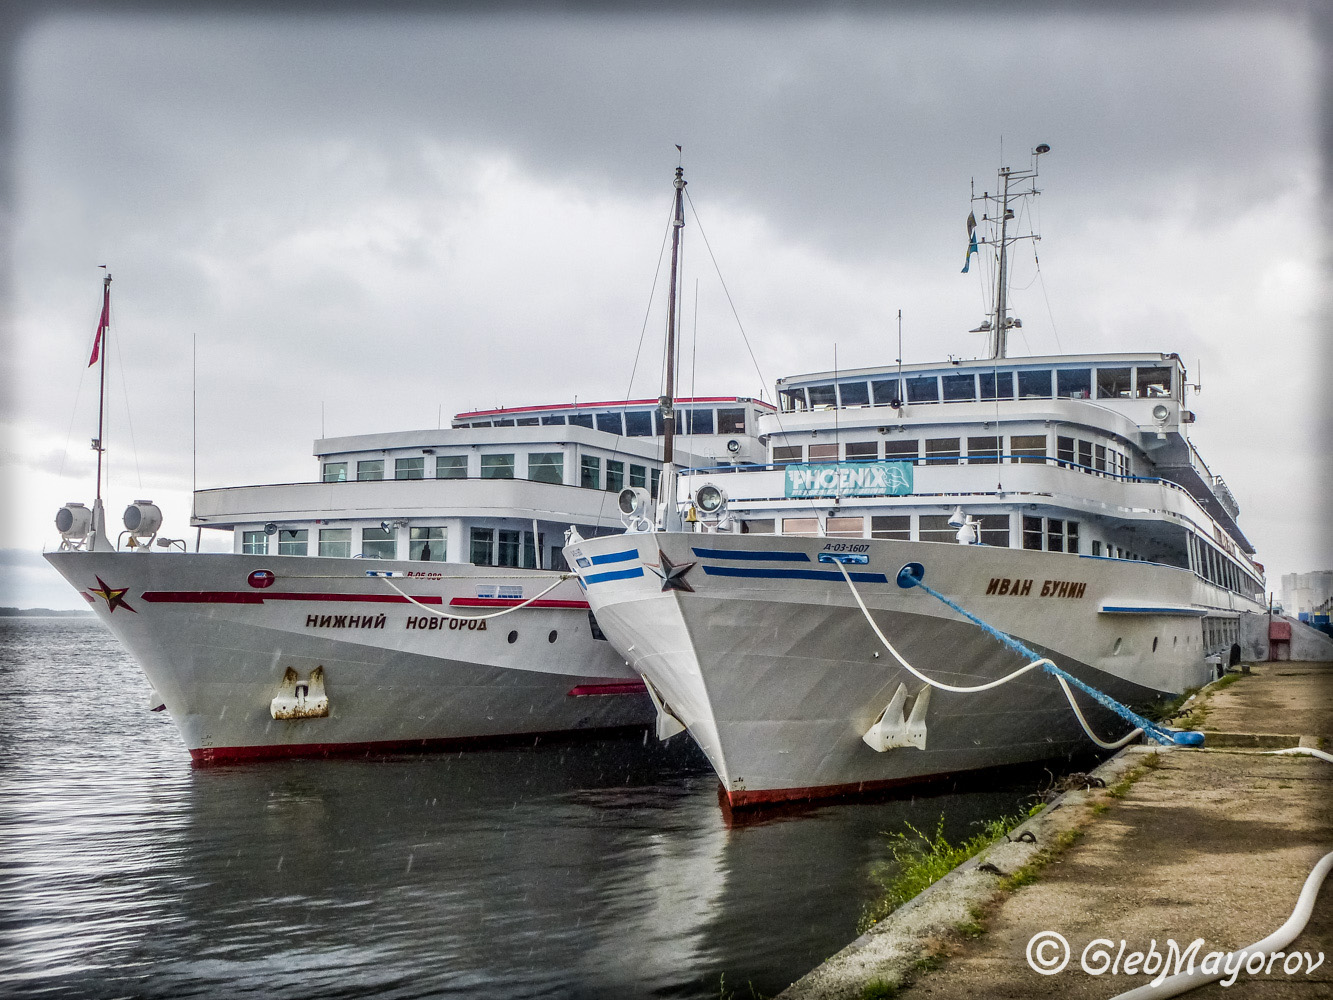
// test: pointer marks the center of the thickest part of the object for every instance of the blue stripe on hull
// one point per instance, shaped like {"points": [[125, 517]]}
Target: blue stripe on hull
{"points": [[792, 574], [620, 574], [615, 557], [743, 554]]}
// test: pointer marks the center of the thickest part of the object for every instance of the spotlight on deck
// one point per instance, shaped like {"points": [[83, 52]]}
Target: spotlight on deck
{"points": [[74, 521], [142, 519], [635, 505], [709, 499], [957, 519]]}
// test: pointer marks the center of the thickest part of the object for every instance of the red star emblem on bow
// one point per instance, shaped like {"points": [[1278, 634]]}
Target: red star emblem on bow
{"points": [[114, 597]]}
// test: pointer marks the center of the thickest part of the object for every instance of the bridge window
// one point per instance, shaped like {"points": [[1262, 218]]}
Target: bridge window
{"points": [[792, 400], [526, 421], [409, 468], [983, 451], [546, 467], [1034, 385], [450, 466], [997, 385], [581, 420], [497, 466], [379, 543], [609, 422], [292, 541], [925, 389], [822, 395], [1099, 457], [897, 526], [370, 469], [1153, 383], [1112, 383], [886, 391], [959, 388], [555, 418], [335, 472], [700, 421], [254, 543], [335, 543], [1074, 383], [427, 545], [854, 393], [639, 423]]}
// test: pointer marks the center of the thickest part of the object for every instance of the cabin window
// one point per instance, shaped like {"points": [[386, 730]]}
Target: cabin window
{"points": [[844, 527], [526, 421], [335, 472], [546, 467], [1112, 383], [823, 395], [997, 385], [823, 453], [854, 393], [426, 545], [483, 546], [1028, 449], [1153, 383], [590, 472], [609, 422], [639, 423], [654, 480], [581, 420], [1031, 532], [886, 391], [862, 450], [924, 389], [897, 526], [379, 543], [293, 541], [1085, 455], [335, 543], [993, 529], [959, 388], [787, 453], [793, 400], [1064, 451], [700, 421], [1096, 547], [898, 450], [638, 476], [805, 526], [759, 526], [615, 475], [497, 466], [372, 468], [1034, 385], [983, 451], [508, 547], [936, 528], [552, 419], [731, 420], [942, 451], [1099, 457], [1055, 535], [450, 466], [409, 468], [254, 543]]}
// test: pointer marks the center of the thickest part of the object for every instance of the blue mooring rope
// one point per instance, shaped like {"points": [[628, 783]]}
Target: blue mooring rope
{"points": [[1161, 735]]}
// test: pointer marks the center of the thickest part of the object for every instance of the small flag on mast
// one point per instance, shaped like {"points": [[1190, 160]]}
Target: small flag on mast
{"points": [[971, 249], [101, 324]]}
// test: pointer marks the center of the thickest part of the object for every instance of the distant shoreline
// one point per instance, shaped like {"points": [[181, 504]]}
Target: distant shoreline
{"points": [[43, 613]]}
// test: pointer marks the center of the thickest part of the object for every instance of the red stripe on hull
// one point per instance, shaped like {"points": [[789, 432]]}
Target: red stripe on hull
{"points": [[510, 602], [775, 796], [207, 756], [244, 597], [616, 687]]}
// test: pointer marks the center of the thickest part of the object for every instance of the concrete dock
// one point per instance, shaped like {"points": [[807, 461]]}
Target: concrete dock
{"points": [[1183, 844]]}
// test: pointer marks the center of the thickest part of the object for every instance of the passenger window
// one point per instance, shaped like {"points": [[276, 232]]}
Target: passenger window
{"points": [[787, 453], [892, 526], [823, 453], [942, 451], [862, 450], [983, 451], [1028, 449]]}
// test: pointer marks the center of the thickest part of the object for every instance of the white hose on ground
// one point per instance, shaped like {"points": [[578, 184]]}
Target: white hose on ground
{"points": [[474, 618], [1133, 734], [1304, 752]]}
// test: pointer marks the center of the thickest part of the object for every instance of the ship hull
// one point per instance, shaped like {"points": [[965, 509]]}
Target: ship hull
{"points": [[217, 650], [772, 666]]}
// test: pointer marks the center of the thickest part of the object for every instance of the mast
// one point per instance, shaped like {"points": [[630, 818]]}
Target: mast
{"points": [[668, 401], [97, 539]]}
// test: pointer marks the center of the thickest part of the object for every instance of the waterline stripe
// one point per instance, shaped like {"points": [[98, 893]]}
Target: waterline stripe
{"points": [[746, 554], [792, 574]]}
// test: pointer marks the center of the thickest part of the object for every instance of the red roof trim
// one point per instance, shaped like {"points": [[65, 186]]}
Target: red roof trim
{"points": [[615, 402]]}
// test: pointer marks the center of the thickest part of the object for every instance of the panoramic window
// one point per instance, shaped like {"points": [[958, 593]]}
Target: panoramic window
{"points": [[497, 466], [409, 468], [1028, 449], [731, 420], [590, 472], [1034, 385], [862, 451], [854, 393], [609, 422], [378, 543], [701, 421], [581, 420], [885, 391], [450, 466], [546, 467], [997, 385], [1153, 383], [792, 400], [959, 388], [822, 395], [426, 545], [892, 526], [370, 469], [942, 451], [335, 472], [506, 422], [924, 389], [1074, 383], [552, 419], [292, 541], [526, 421], [983, 451], [335, 543], [1112, 383], [255, 543], [639, 423]]}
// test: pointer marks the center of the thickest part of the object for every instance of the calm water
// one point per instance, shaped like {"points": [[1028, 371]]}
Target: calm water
{"points": [[592, 869]]}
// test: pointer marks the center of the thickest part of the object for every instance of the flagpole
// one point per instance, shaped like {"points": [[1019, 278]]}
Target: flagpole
{"points": [[98, 538]]}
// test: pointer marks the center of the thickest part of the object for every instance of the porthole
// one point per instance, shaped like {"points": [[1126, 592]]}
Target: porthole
{"points": [[552, 636], [513, 637]]}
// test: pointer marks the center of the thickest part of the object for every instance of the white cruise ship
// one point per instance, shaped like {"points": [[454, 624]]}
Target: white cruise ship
{"points": [[414, 596], [1058, 500]]}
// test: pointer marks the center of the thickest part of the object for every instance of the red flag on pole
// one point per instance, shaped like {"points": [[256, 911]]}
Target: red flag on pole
{"points": [[101, 325]]}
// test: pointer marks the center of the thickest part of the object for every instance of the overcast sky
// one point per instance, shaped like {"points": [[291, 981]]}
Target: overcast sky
{"points": [[366, 222]]}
